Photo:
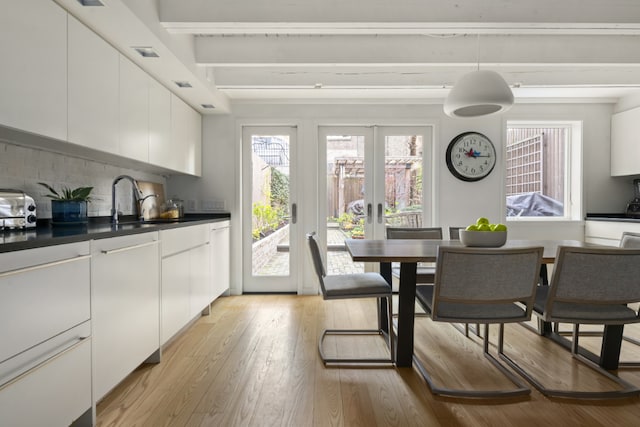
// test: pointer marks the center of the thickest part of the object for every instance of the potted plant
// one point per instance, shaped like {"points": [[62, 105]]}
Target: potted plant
{"points": [[68, 206]]}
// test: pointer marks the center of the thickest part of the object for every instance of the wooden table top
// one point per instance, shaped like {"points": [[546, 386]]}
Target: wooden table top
{"points": [[425, 250]]}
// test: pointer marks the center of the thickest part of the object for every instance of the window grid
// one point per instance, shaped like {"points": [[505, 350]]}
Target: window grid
{"points": [[525, 166]]}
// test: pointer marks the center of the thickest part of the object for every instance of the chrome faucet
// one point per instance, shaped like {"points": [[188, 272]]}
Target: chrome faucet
{"points": [[137, 195]]}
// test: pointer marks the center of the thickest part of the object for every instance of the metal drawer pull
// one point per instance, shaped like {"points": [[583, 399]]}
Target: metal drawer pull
{"points": [[46, 265], [47, 359], [128, 248]]}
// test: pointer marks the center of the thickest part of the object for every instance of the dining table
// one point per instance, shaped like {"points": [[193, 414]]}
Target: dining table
{"points": [[409, 252]]}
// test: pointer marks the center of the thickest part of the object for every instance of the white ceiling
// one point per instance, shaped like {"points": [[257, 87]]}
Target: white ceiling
{"points": [[409, 51]]}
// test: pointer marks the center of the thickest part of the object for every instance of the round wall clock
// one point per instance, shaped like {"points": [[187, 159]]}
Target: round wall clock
{"points": [[471, 156]]}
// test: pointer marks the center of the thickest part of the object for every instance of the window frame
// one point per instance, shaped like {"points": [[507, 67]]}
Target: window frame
{"points": [[573, 209]]}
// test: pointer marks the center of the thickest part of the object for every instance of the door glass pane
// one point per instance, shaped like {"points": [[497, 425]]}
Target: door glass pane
{"points": [[403, 181], [270, 205], [345, 200]]}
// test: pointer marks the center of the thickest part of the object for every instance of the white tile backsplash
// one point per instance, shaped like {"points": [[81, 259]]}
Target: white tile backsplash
{"points": [[22, 168]]}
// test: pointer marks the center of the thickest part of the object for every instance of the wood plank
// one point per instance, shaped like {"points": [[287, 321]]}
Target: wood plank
{"points": [[254, 362]]}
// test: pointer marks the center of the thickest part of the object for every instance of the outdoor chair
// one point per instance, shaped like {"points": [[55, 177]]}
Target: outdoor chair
{"points": [[345, 286], [482, 286], [591, 285]]}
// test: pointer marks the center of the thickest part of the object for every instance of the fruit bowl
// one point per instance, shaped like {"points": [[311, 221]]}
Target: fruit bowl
{"points": [[487, 239]]}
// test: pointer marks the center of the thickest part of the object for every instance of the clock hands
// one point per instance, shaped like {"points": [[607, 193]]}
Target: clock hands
{"points": [[472, 153]]}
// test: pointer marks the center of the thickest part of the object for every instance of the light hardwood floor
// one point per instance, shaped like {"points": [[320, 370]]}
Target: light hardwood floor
{"points": [[254, 362]]}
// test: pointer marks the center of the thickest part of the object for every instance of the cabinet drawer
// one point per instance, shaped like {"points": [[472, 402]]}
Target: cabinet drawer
{"points": [[43, 299], [184, 238], [55, 393], [611, 231]]}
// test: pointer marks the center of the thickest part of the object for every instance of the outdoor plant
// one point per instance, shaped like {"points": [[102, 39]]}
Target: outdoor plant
{"points": [[80, 194], [266, 219]]}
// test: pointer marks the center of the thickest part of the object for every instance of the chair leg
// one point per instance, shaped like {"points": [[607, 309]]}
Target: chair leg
{"points": [[627, 390], [352, 362], [521, 390]]}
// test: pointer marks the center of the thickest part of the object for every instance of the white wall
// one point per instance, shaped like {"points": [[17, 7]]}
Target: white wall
{"points": [[456, 202]]}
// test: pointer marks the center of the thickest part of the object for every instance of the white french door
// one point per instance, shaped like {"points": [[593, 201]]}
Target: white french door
{"points": [[371, 177], [270, 229]]}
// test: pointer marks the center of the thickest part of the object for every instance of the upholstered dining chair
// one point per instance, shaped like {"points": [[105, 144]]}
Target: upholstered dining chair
{"points": [[485, 286], [355, 285], [454, 233], [425, 272], [590, 285]]}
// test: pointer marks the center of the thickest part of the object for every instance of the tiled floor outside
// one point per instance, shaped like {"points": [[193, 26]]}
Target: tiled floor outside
{"points": [[338, 261]]}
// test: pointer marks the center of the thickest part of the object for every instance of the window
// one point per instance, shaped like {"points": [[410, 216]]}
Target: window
{"points": [[543, 170]]}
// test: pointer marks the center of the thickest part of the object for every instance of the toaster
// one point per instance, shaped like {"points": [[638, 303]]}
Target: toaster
{"points": [[17, 210]]}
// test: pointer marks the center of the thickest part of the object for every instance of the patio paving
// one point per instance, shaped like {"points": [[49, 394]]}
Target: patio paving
{"points": [[338, 261]]}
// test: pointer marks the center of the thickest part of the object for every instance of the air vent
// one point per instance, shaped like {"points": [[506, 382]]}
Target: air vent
{"points": [[146, 51], [91, 2], [207, 106], [182, 83]]}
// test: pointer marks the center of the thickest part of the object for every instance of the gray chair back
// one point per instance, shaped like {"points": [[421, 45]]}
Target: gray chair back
{"points": [[594, 276], [434, 233], [485, 284], [454, 233], [630, 240], [318, 264]]}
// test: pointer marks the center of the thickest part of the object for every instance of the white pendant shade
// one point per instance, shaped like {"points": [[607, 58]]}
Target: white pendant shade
{"points": [[478, 93]]}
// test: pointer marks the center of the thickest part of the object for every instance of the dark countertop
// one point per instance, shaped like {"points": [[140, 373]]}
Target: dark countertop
{"points": [[46, 234], [615, 217]]}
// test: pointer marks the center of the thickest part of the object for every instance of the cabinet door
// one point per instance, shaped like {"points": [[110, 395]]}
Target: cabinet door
{"points": [[220, 259], [55, 393], [176, 305], [625, 149], [186, 137], [33, 75], [93, 89], [159, 125], [125, 304], [134, 111], [200, 289]]}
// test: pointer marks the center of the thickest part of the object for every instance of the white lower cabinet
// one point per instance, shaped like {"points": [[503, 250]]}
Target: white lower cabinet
{"points": [[220, 267], [608, 233], [45, 351], [186, 276], [125, 303]]}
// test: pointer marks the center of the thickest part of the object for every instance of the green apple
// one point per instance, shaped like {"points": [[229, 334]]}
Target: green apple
{"points": [[472, 227], [482, 220], [500, 227], [484, 227]]}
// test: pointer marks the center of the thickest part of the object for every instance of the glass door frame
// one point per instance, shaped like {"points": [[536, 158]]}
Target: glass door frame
{"points": [[374, 152], [276, 283]]}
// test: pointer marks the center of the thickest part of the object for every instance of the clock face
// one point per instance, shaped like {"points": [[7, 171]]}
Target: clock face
{"points": [[471, 156]]}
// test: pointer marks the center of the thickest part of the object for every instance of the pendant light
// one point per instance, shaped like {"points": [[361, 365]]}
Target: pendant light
{"points": [[478, 93]]}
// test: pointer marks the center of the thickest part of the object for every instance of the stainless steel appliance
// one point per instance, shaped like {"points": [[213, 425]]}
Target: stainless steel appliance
{"points": [[17, 210]]}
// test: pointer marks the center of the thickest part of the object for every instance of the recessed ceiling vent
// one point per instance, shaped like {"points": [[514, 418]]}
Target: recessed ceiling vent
{"points": [[207, 106], [91, 2], [146, 51], [182, 83]]}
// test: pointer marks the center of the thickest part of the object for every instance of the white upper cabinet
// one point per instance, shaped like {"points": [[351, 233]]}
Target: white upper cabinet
{"points": [[186, 137], [159, 125], [625, 143], [33, 75], [93, 89], [134, 111]]}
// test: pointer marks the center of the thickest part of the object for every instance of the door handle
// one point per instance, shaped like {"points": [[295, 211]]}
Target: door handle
{"points": [[294, 213], [379, 213], [369, 213]]}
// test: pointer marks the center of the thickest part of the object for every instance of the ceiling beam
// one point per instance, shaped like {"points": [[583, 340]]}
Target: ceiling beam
{"points": [[370, 50], [176, 15]]}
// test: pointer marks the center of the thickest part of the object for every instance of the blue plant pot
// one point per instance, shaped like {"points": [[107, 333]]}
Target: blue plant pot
{"points": [[68, 213]]}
